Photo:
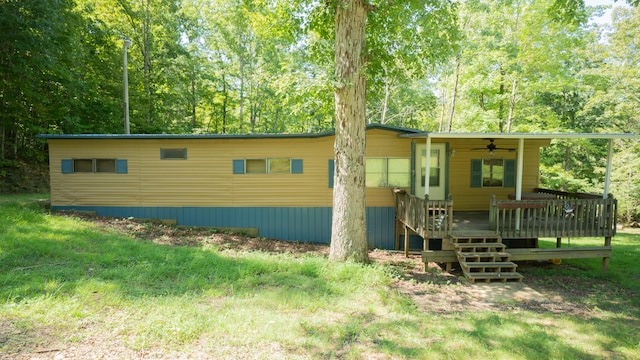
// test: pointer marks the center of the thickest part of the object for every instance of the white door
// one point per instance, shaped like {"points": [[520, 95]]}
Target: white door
{"points": [[437, 172]]}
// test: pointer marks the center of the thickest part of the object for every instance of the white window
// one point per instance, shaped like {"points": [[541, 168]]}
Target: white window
{"points": [[492, 172], [388, 172]]}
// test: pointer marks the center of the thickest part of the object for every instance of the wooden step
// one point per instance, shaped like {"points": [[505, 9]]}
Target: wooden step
{"points": [[484, 256], [490, 267], [484, 247], [494, 277], [484, 259], [475, 240]]}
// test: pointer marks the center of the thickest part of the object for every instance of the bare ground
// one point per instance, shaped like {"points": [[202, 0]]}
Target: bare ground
{"points": [[433, 290]]}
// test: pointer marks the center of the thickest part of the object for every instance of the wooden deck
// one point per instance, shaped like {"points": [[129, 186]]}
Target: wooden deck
{"points": [[517, 223]]}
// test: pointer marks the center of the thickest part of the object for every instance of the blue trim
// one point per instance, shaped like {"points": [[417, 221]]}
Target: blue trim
{"points": [[413, 167], [67, 166], [476, 174], [121, 166], [509, 173], [332, 170], [446, 170], [307, 224], [296, 166], [238, 166]]}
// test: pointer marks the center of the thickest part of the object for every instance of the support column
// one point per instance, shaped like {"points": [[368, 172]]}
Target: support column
{"points": [[519, 167], [607, 176]]}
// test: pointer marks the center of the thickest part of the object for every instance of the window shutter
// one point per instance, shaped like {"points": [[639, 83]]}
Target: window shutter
{"points": [[413, 168], [238, 166], [67, 166], [476, 173], [296, 166], [509, 173], [332, 165], [121, 166]]}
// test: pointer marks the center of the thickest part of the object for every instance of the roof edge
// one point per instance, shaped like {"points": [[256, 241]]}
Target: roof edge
{"points": [[454, 135], [220, 136]]}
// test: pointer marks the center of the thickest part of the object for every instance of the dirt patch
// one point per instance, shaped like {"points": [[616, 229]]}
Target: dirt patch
{"points": [[158, 233]]}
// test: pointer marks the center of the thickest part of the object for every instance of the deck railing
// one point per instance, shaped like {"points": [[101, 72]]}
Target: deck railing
{"points": [[427, 218], [563, 217], [568, 195]]}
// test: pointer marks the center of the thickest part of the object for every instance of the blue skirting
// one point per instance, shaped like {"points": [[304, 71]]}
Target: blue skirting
{"points": [[306, 224]]}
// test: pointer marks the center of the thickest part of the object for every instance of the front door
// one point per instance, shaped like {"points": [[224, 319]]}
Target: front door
{"points": [[437, 173]]}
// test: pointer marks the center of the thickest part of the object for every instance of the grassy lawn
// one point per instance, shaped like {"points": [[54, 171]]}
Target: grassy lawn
{"points": [[70, 288]]}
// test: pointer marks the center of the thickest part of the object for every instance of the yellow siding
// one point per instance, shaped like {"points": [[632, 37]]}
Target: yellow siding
{"points": [[206, 178], [467, 198]]}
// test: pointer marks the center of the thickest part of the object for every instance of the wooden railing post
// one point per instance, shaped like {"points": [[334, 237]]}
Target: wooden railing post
{"points": [[493, 213]]}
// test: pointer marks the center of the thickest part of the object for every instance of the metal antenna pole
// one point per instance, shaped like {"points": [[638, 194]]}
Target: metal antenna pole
{"points": [[125, 45]]}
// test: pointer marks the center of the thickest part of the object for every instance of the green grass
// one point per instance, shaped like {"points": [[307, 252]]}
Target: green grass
{"points": [[623, 266], [64, 281]]}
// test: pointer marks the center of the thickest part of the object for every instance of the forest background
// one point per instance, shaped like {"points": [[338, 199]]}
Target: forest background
{"points": [[267, 66]]}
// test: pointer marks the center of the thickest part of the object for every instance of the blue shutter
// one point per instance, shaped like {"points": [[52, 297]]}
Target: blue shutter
{"points": [[509, 173], [476, 173], [121, 166], [413, 167], [332, 165], [67, 166], [238, 166], [296, 166]]}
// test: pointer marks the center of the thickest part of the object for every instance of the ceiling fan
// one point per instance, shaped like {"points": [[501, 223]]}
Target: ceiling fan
{"points": [[493, 147]]}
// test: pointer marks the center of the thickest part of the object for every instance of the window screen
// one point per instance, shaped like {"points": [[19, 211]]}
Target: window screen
{"points": [[279, 166], [82, 165], [173, 154], [105, 165], [256, 166]]}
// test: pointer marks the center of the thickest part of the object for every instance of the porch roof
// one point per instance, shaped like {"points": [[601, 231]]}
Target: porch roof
{"points": [[494, 135]]}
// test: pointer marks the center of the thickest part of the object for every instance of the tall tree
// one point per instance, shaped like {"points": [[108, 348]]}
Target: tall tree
{"points": [[353, 61], [348, 232]]}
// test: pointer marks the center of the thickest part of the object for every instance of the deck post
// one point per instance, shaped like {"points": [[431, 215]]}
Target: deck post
{"points": [[519, 178], [607, 176], [605, 260], [406, 241], [493, 213], [397, 233]]}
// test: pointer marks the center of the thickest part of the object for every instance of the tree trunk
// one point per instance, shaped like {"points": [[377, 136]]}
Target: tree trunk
{"points": [[512, 104], [501, 97], [241, 100], [194, 120], [348, 231], [385, 102], [443, 110], [224, 105], [146, 48], [454, 96]]}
